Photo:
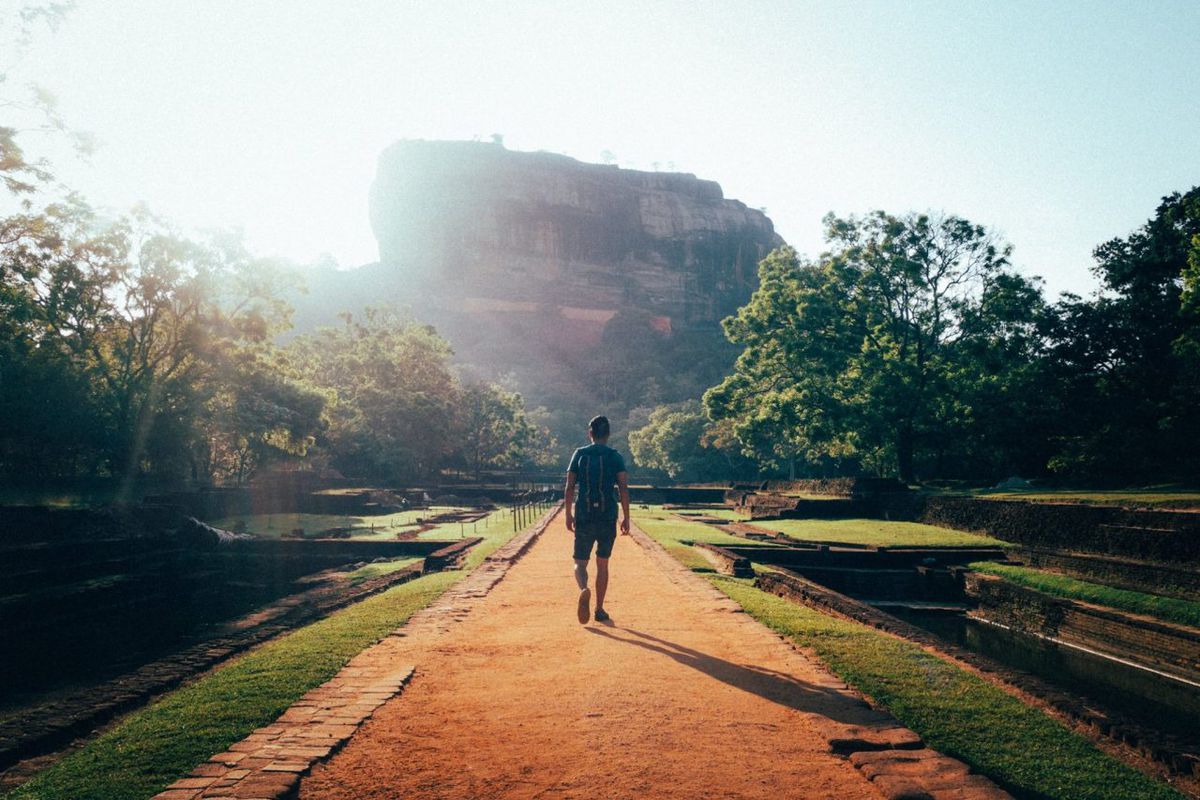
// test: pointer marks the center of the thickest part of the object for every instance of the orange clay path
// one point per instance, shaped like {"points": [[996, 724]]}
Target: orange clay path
{"points": [[680, 697]]}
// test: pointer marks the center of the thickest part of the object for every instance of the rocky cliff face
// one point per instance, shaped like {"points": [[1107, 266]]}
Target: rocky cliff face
{"points": [[590, 288], [478, 230]]}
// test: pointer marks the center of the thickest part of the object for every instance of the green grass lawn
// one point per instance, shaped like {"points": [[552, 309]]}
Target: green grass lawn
{"points": [[1185, 612], [154, 746], [677, 536], [877, 533], [494, 536], [720, 512], [1160, 498], [377, 568], [501, 517], [953, 710]]}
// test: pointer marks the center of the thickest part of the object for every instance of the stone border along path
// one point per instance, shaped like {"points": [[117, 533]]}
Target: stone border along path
{"points": [[268, 764], [38, 731]]}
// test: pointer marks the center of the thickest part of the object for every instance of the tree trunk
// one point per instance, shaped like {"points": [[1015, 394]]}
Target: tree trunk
{"points": [[904, 453]]}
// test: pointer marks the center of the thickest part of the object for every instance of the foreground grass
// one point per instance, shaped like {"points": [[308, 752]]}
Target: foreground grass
{"points": [[954, 711], [154, 746], [877, 533], [1185, 612]]}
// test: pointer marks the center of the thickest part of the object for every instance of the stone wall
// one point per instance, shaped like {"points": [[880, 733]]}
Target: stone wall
{"points": [[1164, 646], [82, 590], [1168, 536]]}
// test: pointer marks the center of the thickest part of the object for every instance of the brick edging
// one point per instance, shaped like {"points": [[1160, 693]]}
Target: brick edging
{"points": [[270, 762], [892, 757]]}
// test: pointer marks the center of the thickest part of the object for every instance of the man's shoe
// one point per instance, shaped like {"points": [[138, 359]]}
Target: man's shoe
{"points": [[585, 606], [602, 615]]}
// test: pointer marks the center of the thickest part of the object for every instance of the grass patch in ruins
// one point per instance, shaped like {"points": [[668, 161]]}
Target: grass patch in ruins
{"points": [[1160, 498], [497, 521], [877, 533], [1184, 612], [953, 710], [719, 512], [383, 526], [162, 742], [671, 531], [677, 536], [377, 569]]}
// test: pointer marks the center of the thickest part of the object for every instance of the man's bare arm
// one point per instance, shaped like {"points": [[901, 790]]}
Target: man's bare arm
{"points": [[569, 500], [623, 488]]}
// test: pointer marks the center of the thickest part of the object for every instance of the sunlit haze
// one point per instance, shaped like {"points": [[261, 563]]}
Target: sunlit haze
{"points": [[1059, 124]]}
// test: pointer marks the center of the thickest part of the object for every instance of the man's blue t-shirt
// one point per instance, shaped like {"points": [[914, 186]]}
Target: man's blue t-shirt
{"points": [[595, 466]]}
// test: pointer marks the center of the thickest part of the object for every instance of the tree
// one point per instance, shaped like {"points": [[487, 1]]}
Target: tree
{"points": [[395, 400], [29, 109], [678, 440], [134, 328], [850, 361], [493, 429], [1127, 354]]}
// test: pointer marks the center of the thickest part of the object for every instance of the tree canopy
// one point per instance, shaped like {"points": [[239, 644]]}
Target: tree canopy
{"points": [[864, 357]]}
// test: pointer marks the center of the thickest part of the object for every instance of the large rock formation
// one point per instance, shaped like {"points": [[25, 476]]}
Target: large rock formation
{"points": [[483, 232], [588, 287]]}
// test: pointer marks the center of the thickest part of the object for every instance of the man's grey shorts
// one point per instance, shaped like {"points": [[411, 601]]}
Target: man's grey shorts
{"points": [[601, 532]]}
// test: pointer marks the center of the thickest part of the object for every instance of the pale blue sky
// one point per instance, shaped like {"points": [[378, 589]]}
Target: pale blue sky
{"points": [[1058, 124]]}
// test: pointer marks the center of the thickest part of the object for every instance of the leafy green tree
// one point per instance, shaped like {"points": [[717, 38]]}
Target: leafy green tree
{"points": [[853, 360], [396, 401], [494, 431], [544, 451], [133, 328], [1127, 356], [678, 440]]}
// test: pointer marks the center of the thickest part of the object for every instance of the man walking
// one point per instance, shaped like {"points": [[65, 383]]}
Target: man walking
{"points": [[597, 473]]}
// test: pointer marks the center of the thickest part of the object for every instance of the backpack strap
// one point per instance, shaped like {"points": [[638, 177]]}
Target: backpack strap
{"points": [[587, 481]]}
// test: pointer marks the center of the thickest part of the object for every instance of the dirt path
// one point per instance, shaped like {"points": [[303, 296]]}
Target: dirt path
{"points": [[679, 698]]}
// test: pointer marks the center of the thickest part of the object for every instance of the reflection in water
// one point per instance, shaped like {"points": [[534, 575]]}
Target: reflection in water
{"points": [[1155, 701]]}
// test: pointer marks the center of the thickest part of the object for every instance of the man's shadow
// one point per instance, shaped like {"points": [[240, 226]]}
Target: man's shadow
{"points": [[778, 687]]}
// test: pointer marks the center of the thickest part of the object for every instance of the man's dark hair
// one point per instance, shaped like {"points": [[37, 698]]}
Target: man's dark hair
{"points": [[599, 427]]}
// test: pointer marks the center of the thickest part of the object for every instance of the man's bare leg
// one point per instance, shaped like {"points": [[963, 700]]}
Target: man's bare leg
{"points": [[585, 594], [601, 581]]}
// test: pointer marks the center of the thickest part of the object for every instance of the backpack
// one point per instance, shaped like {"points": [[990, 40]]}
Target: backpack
{"points": [[595, 499]]}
